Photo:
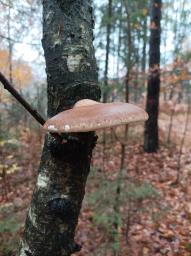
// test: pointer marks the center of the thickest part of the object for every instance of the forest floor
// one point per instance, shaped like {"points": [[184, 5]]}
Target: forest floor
{"points": [[150, 216]]}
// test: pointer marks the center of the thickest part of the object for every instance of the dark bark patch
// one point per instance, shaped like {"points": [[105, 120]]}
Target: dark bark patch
{"points": [[28, 253], [63, 208]]}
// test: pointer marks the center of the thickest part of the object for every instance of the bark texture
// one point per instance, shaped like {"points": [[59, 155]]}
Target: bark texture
{"points": [[151, 140], [71, 76]]}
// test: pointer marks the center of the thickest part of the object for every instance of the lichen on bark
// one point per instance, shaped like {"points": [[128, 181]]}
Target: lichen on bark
{"points": [[71, 76]]}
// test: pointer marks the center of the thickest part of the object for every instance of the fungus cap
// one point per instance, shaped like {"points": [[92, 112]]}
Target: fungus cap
{"points": [[88, 115]]}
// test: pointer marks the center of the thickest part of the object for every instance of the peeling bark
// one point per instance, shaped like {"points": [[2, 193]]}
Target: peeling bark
{"points": [[71, 75]]}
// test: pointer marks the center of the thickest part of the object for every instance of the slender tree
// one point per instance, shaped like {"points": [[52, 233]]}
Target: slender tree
{"points": [[129, 56], [71, 75], [120, 11], [9, 42], [105, 90], [151, 140], [144, 39], [108, 35]]}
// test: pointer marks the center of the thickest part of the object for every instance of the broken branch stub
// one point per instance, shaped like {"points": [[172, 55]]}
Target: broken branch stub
{"points": [[88, 115]]}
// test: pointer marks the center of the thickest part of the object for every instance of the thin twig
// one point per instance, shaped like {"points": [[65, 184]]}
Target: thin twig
{"points": [[122, 141], [171, 122], [17, 42], [182, 142]]}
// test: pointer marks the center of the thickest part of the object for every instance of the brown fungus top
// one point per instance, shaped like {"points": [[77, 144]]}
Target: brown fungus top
{"points": [[88, 115]]}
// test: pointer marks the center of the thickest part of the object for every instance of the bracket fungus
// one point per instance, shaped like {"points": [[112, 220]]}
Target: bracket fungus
{"points": [[88, 115]]}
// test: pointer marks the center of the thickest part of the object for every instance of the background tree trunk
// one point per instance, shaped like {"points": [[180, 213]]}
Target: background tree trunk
{"points": [[151, 140], [105, 93], [10, 46], [71, 75], [144, 49], [129, 54]]}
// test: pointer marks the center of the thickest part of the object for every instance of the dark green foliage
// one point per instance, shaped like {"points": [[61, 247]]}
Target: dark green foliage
{"points": [[9, 226], [140, 192], [9, 231]]}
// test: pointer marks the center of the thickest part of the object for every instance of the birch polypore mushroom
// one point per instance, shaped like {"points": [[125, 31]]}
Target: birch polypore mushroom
{"points": [[88, 115]]}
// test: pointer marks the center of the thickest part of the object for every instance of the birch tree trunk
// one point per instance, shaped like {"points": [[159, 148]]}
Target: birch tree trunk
{"points": [[71, 76], [151, 140]]}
